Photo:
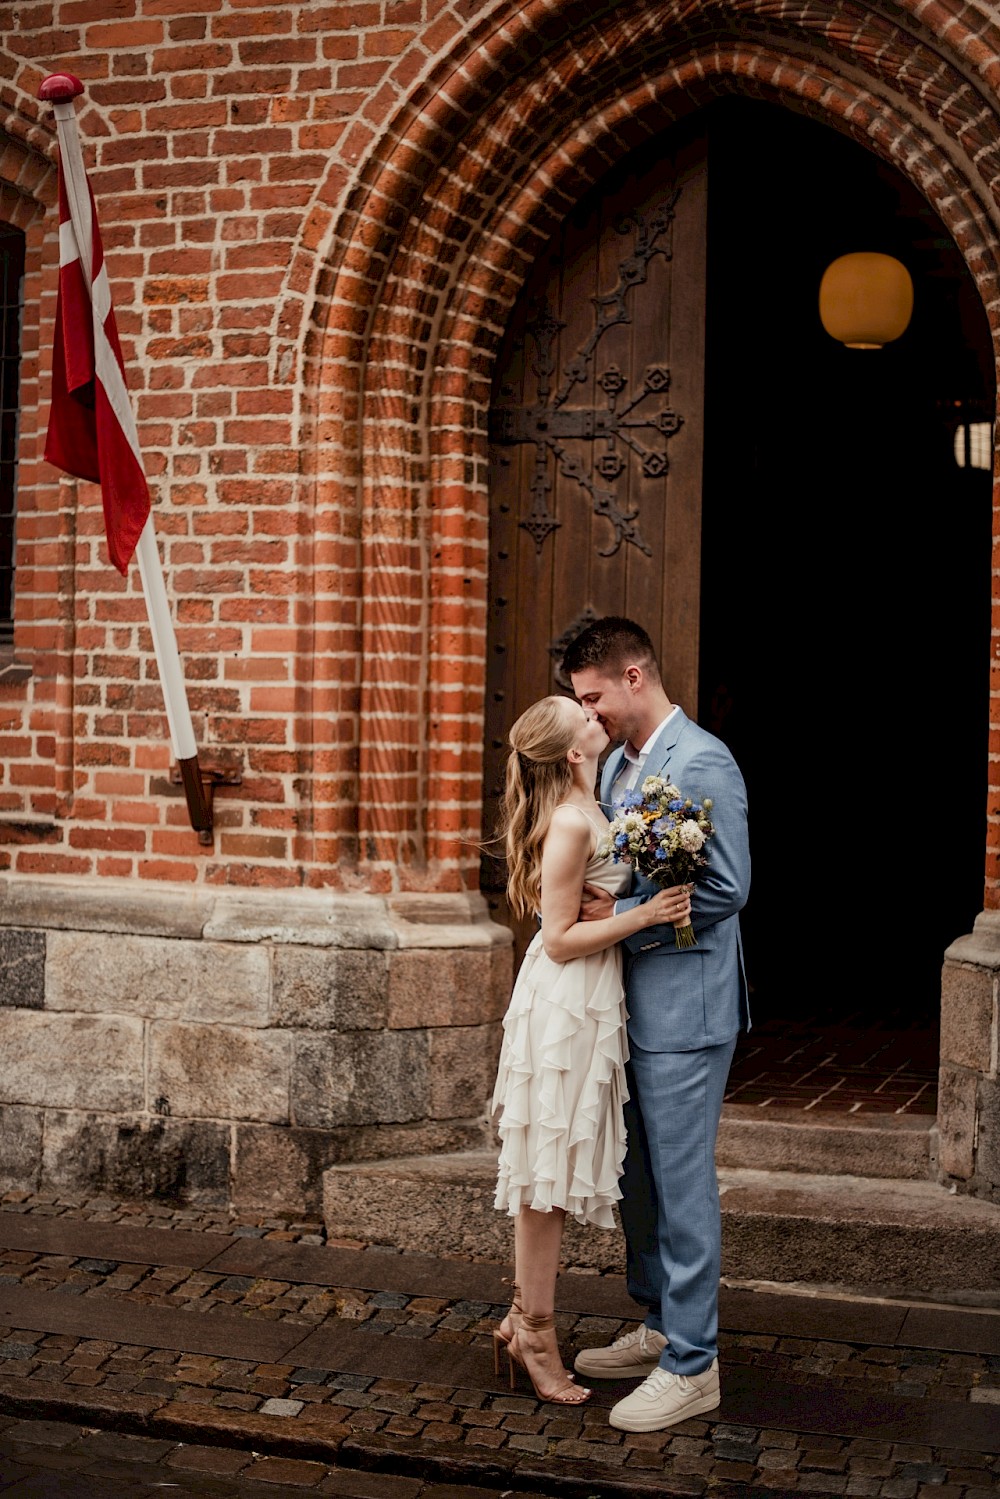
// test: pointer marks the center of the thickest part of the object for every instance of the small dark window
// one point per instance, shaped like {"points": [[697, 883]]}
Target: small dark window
{"points": [[11, 281]]}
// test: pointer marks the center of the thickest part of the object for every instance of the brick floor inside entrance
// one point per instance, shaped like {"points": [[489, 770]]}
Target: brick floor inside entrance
{"points": [[845, 1063]]}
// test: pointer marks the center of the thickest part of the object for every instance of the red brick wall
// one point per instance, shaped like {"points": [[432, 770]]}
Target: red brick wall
{"points": [[316, 220]]}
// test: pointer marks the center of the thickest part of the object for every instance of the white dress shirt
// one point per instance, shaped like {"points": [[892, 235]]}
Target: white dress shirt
{"points": [[630, 770]]}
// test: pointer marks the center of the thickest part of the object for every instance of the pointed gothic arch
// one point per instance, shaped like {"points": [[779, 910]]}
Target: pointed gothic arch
{"points": [[444, 224]]}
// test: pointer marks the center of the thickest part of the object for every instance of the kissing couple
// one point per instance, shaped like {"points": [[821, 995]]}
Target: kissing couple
{"points": [[610, 1089]]}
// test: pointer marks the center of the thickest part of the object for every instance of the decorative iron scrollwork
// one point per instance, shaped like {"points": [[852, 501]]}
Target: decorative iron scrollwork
{"points": [[549, 424], [558, 648]]}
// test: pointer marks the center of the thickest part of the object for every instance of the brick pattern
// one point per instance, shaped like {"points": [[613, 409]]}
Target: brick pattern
{"points": [[317, 219], [842, 1063]]}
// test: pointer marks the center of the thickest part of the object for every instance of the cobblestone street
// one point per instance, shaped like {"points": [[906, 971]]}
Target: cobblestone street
{"points": [[251, 1352]]}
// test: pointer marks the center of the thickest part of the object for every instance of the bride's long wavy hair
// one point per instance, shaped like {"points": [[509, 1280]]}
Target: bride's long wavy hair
{"points": [[538, 779]]}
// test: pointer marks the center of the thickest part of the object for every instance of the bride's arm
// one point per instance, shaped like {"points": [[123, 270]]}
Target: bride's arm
{"points": [[564, 861]]}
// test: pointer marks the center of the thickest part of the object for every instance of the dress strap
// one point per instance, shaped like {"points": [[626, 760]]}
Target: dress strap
{"points": [[599, 831]]}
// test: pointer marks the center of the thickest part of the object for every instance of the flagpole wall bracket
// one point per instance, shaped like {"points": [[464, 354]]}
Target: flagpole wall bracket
{"points": [[199, 791]]}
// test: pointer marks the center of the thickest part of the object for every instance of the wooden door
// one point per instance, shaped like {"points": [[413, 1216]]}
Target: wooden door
{"points": [[596, 447]]}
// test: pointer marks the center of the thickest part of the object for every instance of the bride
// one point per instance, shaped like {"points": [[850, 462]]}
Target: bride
{"points": [[560, 1083]]}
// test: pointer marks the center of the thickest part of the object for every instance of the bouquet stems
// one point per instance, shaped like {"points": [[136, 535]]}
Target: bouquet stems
{"points": [[684, 935]]}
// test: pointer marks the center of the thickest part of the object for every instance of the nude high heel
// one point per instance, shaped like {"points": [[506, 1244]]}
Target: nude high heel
{"points": [[500, 1339], [566, 1393]]}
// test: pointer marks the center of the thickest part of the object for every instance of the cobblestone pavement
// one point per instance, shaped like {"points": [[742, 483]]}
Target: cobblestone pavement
{"points": [[253, 1355], [59, 1460]]}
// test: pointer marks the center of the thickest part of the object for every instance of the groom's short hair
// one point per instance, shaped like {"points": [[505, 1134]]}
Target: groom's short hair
{"points": [[611, 644]]}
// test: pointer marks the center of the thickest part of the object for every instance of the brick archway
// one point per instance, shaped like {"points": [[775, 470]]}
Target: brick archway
{"points": [[457, 203]]}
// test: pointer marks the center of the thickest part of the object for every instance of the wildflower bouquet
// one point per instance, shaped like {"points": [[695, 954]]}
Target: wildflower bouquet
{"points": [[662, 833]]}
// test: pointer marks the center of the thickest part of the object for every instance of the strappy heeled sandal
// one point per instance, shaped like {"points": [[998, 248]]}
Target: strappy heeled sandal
{"points": [[566, 1393], [500, 1339]]}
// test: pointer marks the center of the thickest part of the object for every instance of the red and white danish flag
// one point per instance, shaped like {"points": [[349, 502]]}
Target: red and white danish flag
{"points": [[92, 432]]}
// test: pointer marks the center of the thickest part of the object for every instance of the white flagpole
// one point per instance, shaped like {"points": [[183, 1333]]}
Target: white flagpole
{"points": [[60, 89]]}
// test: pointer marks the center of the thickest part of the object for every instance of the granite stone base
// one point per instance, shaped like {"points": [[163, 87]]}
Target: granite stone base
{"points": [[969, 1085], [228, 1048]]}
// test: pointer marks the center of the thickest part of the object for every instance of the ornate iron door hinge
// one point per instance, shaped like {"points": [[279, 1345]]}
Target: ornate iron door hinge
{"points": [[550, 424]]}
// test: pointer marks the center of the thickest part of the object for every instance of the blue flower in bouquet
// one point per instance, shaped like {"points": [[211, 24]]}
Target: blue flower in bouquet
{"points": [[663, 834]]}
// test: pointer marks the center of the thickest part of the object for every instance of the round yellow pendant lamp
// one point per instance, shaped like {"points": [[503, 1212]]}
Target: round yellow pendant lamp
{"points": [[865, 299]]}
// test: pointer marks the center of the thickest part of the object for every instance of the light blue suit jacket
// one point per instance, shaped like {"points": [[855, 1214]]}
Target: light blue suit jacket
{"points": [[681, 999]]}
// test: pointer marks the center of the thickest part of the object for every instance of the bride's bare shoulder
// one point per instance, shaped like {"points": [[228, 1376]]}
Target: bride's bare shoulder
{"points": [[570, 829], [568, 814]]}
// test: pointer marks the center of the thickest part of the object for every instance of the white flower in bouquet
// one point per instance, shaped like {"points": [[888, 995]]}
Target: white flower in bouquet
{"points": [[691, 836]]}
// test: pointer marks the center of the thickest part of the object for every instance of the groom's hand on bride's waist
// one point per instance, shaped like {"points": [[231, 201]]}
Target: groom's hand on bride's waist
{"points": [[595, 904]]}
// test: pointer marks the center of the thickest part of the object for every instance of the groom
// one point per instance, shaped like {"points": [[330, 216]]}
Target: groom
{"points": [[686, 1007]]}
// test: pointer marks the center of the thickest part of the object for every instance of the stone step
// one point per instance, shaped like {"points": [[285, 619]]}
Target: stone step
{"points": [[849, 1233], [900, 1146]]}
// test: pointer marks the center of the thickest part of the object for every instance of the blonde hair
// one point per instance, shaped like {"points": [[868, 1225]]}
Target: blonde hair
{"points": [[538, 778]]}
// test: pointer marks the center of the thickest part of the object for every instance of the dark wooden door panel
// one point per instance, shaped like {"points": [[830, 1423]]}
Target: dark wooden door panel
{"points": [[596, 444]]}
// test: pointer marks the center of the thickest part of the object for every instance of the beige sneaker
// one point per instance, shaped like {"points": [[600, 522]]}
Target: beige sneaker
{"points": [[664, 1399], [630, 1357]]}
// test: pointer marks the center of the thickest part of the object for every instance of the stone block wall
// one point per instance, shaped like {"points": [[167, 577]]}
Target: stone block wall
{"points": [[216, 1049], [969, 1081]]}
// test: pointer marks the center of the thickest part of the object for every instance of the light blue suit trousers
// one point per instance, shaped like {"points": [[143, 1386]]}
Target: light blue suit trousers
{"points": [[670, 1205]]}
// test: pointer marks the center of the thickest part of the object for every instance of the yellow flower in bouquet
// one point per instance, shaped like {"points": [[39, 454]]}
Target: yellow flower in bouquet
{"points": [[662, 833]]}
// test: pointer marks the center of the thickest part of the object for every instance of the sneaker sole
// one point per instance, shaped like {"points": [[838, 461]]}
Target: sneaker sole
{"points": [[660, 1423], [617, 1371]]}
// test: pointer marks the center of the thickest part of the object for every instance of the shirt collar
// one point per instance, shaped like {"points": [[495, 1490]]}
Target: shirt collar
{"points": [[637, 756]]}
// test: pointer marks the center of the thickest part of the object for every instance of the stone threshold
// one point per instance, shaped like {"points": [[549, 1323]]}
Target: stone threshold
{"points": [[901, 1147], [900, 1236]]}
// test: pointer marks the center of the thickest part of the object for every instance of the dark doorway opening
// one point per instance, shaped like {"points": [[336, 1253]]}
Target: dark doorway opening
{"points": [[845, 616]]}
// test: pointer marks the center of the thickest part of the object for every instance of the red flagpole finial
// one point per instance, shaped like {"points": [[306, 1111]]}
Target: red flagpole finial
{"points": [[59, 88]]}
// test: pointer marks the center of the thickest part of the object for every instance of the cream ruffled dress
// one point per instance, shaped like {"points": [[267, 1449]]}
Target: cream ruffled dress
{"points": [[561, 1080]]}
